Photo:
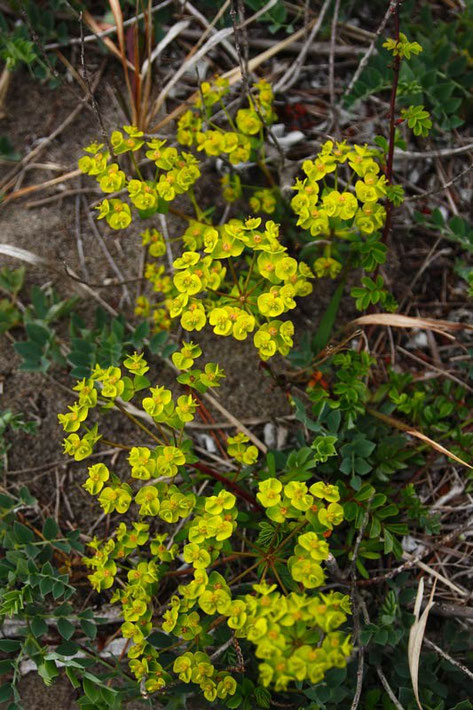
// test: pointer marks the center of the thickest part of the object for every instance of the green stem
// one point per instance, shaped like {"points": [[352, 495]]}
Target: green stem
{"points": [[244, 573], [291, 534], [142, 426], [138, 171]]}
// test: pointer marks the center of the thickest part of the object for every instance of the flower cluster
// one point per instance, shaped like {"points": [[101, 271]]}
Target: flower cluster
{"points": [[238, 144], [263, 200], [261, 294], [295, 501], [202, 284], [323, 210], [295, 635], [354, 213], [176, 173], [197, 668]]}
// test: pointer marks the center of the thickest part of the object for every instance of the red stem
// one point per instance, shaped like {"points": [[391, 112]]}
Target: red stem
{"points": [[239, 492], [392, 122]]}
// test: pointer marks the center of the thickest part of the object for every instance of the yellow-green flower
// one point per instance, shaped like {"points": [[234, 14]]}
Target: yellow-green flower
{"points": [[148, 500], [269, 492], [97, 475], [330, 516]]}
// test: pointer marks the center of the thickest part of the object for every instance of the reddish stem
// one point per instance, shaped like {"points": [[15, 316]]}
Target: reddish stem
{"points": [[239, 492], [392, 123], [207, 418]]}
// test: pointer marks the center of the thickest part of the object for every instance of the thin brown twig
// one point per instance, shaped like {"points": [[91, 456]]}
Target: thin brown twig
{"points": [[210, 28], [443, 187], [331, 67], [448, 658], [78, 235], [61, 196], [366, 57], [8, 180], [291, 75], [392, 120], [96, 36], [89, 93], [445, 540], [240, 492], [388, 688], [105, 250]]}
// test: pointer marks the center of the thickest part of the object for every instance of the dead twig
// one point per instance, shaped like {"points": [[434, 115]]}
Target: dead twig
{"points": [[440, 153], [440, 370], [331, 63], [290, 77], [100, 35], [388, 689], [88, 88], [448, 658], [447, 539], [366, 57], [106, 252], [60, 196], [210, 28], [8, 181]]}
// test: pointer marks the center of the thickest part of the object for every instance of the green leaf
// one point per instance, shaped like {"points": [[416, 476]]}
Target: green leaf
{"points": [[72, 675], [38, 333], [139, 334], [10, 645], [65, 628], [6, 665], [361, 568], [48, 671], [50, 529], [375, 528], [327, 322], [58, 590], [388, 542], [160, 640], [89, 628], [22, 533], [6, 691], [68, 648], [38, 626], [140, 382], [11, 280], [91, 690], [157, 341], [46, 585]]}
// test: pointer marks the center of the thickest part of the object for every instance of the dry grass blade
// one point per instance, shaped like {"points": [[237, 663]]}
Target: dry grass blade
{"points": [[95, 27], [34, 188], [5, 78], [438, 576], [291, 75], [210, 29], [396, 320], [118, 16], [174, 31], [441, 449], [416, 636], [397, 424], [233, 75], [24, 255], [212, 42], [30, 258]]}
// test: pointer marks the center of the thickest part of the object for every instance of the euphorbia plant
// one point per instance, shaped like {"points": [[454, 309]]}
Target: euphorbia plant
{"points": [[163, 564]]}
